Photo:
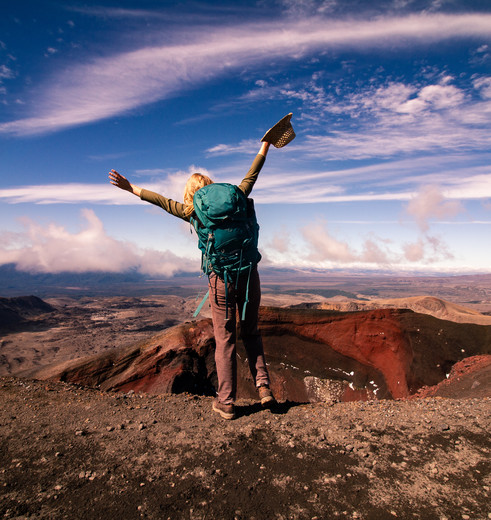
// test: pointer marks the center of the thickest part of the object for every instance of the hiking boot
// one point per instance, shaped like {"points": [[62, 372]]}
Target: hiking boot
{"points": [[266, 396], [227, 411]]}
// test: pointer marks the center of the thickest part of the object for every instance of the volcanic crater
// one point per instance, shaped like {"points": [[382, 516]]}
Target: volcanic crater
{"points": [[313, 355]]}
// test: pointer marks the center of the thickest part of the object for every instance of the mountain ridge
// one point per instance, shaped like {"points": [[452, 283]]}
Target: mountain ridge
{"points": [[431, 305]]}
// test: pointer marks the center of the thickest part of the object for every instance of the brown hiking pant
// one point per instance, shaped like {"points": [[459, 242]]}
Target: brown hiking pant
{"points": [[225, 332]]}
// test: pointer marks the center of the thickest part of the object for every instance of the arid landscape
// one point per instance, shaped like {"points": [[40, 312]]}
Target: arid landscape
{"points": [[384, 388], [91, 318]]}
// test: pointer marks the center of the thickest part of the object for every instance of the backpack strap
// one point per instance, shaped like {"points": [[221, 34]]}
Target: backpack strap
{"points": [[246, 301], [200, 306], [239, 269], [205, 246], [225, 279], [206, 266]]}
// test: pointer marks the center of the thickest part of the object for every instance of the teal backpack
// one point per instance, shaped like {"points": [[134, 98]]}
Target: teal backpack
{"points": [[228, 233]]}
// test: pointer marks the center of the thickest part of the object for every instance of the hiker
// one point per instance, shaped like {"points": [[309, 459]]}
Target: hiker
{"points": [[234, 283]]}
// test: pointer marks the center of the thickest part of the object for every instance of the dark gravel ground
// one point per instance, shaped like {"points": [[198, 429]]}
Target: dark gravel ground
{"points": [[76, 453]]}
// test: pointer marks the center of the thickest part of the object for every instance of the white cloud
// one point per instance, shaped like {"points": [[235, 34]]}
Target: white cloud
{"points": [[6, 73], [153, 73], [171, 184], [53, 249], [50, 51], [477, 186], [439, 249], [389, 97], [281, 241], [374, 253], [414, 251], [395, 118], [72, 193], [227, 149], [483, 84], [324, 247], [429, 203], [442, 96], [426, 249], [388, 181], [433, 97]]}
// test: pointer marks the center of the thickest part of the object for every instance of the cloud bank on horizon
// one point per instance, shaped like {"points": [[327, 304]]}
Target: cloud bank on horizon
{"points": [[53, 249], [392, 108]]}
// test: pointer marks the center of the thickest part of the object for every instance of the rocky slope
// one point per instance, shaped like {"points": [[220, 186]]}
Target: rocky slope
{"points": [[470, 377], [18, 310], [313, 355], [70, 451], [82, 454], [77, 327]]}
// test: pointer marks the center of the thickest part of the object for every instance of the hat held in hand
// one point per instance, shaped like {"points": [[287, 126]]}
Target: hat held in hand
{"points": [[281, 133]]}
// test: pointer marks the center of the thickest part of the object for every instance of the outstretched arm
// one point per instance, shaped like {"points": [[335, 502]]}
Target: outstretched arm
{"points": [[264, 149], [118, 180], [171, 206], [249, 180]]}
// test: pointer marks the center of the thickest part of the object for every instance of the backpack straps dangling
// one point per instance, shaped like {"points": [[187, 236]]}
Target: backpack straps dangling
{"points": [[246, 301], [239, 270], [200, 306], [206, 257], [225, 279]]}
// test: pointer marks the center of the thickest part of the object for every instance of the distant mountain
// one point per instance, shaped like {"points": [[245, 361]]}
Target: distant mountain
{"points": [[422, 304], [14, 282], [17, 310]]}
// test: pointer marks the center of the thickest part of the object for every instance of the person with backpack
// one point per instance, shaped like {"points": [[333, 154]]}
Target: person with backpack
{"points": [[224, 219]]}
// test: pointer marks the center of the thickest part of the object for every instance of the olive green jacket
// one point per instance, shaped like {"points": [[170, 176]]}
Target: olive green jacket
{"points": [[177, 208]]}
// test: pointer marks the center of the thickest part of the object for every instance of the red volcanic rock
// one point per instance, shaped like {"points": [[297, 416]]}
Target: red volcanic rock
{"points": [[179, 359], [311, 354], [470, 377], [373, 340], [381, 353]]}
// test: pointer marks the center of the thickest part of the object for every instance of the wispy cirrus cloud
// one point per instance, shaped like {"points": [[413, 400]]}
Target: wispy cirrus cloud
{"points": [[71, 193], [395, 118], [382, 120], [390, 181], [107, 86], [6, 73]]}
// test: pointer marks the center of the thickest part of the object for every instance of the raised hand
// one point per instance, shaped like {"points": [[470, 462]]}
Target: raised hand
{"points": [[118, 180]]}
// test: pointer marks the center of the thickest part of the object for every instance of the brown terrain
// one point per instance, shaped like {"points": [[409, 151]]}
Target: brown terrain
{"points": [[424, 304], [384, 412]]}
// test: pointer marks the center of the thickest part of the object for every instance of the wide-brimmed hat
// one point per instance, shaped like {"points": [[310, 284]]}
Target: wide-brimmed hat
{"points": [[281, 133]]}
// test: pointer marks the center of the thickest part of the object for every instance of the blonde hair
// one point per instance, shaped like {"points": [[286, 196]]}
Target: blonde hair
{"points": [[194, 183]]}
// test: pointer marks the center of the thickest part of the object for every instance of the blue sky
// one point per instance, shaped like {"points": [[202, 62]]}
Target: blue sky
{"points": [[391, 104]]}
